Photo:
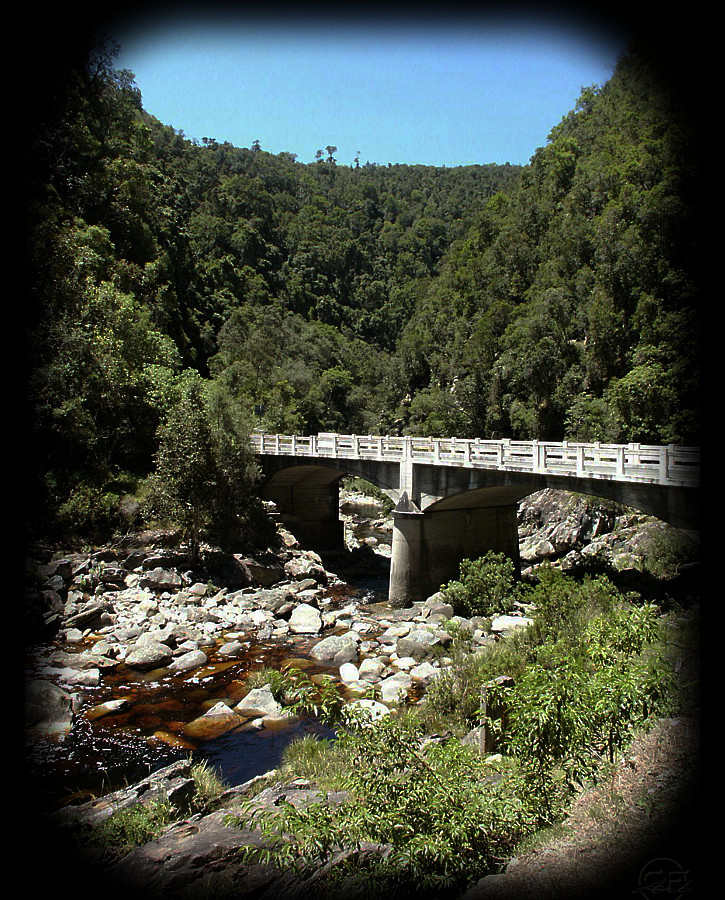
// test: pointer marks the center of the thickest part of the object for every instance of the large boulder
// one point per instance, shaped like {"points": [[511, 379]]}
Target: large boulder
{"points": [[535, 548], [94, 614], [394, 689], [260, 702], [148, 653], [339, 648], [203, 856], [372, 668], [421, 642], [188, 661], [231, 649], [108, 708], [503, 624], [553, 523], [395, 631], [173, 784], [437, 605], [160, 579], [305, 619], [303, 567], [369, 709], [262, 572], [216, 721], [349, 673], [424, 672]]}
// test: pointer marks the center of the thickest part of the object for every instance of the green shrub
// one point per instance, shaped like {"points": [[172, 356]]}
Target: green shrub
{"points": [[580, 699], [444, 823], [278, 681], [596, 666], [90, 512], [548, 728], [455, 694], [208, 786], [321, 761], [563, 609], [487, 586], [563, 606], [300, 694], [321, 698]]}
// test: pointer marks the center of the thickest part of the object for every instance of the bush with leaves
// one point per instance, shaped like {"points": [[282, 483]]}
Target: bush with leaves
{"points": [[321, 698], [428, 813], [453, 698], [436, 817], [205, 472], [579, 700], [487, 586], [129, 828], [563, 606]]}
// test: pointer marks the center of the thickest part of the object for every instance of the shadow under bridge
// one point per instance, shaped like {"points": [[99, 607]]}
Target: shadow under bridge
{"points": [[450, 508]]}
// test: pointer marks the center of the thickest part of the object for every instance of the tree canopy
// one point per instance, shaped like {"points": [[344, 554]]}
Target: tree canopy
{"points": [[557, 300]]}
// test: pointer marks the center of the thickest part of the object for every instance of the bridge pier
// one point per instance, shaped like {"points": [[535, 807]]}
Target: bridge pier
{"points": [[428, 547], [458, 499]]}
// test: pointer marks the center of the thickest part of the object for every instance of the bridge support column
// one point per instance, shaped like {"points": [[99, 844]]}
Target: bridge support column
{"points": [[428, 547]]}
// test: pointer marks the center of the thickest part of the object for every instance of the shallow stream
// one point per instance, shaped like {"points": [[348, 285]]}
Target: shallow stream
{"points": [[120, 748]]}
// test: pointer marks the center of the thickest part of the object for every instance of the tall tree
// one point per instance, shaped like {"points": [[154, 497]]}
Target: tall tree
{"points": [[205, 473]]}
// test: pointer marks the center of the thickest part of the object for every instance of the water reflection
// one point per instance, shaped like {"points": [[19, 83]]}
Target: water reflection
{"points": [[242, 755], [92, 760]]}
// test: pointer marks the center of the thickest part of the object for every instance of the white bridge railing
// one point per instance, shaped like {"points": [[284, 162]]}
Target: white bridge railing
{"points": [[667, 465]]}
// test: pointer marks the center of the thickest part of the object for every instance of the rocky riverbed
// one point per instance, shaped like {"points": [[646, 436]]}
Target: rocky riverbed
{"points": [[137, 658], [154, 630]]}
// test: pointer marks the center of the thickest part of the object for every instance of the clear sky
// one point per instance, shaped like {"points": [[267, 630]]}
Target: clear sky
{"points": [[446, 92]]}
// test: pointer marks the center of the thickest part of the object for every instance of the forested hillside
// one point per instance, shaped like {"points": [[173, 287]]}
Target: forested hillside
{"points": [[556, 300]]}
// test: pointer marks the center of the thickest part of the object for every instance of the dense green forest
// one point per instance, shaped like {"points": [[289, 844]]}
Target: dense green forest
{"points": [[557, 300]]}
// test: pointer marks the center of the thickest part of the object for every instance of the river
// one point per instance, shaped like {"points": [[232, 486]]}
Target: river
{"points": [[116, 750]]}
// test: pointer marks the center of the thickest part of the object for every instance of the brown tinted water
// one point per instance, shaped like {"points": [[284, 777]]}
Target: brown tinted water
{"points": [[114, 750]]}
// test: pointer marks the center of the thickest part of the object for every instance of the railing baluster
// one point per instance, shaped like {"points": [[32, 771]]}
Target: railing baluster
{"points": [[632, 462]]}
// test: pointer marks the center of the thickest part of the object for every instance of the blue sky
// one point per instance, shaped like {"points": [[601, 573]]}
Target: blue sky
{"points": [[443, 92]]}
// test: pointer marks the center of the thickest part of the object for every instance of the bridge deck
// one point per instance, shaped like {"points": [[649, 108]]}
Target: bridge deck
{"points": [[666, 465]]}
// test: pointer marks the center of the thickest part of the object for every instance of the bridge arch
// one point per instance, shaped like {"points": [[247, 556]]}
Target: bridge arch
{"points": [[457, 499], [307, 493], [461, 488]]}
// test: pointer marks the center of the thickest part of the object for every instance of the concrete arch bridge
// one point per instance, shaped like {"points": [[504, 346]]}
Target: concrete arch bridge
{"points": [[457, 498]]}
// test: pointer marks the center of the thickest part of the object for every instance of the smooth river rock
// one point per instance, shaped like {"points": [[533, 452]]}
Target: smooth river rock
{"points": [[149, 654], [500, 624], [216, 721], [188, 661], [420, 642], [338, 647], [305, 619], [259, 702], [395, 688], [48, 710]]}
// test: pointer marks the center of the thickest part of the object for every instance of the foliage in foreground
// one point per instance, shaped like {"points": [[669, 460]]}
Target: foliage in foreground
{"points": [[595, 666], [439, 812], [143, 822], [129, 828]]}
